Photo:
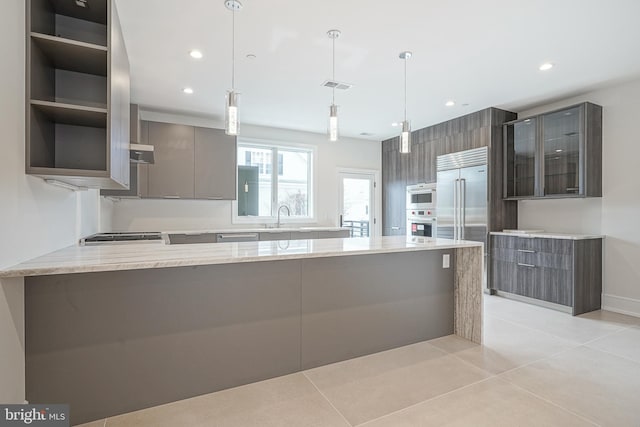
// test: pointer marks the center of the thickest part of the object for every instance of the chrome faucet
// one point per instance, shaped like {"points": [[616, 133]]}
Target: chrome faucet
{"points": [[288, 212]]}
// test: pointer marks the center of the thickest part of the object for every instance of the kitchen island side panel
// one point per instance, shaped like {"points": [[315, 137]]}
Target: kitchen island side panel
{"points": [[357, 305]]}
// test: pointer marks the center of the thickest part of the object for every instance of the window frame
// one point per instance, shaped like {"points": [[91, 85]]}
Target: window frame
{"points": [[275, 147]]}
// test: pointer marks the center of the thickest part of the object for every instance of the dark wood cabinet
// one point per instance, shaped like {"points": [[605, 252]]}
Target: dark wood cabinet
{"points": [[394, 182], [556, 154], [480, 129], [560, 271]]}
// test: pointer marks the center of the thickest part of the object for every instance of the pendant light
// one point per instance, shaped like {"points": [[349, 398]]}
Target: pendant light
{"points": [[231, 119], [333, 108], [405, 136]]}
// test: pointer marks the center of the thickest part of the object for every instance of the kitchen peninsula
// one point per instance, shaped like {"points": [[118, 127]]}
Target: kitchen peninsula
{"points": [[116, 328]]}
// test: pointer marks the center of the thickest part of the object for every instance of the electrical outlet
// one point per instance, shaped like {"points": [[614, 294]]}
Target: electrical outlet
{"points": [[445, 261]]}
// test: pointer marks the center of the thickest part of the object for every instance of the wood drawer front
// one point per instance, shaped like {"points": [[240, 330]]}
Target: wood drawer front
{"points": [[537, 244], [552, 246], [546, 259], [538, 259]]}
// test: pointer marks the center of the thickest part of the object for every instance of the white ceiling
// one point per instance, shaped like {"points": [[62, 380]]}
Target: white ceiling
{"points": [[484, 53]]}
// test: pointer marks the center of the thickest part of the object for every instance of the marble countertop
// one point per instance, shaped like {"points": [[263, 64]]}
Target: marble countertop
{"points": [[549, 235], [257, 230], [135, 256]]}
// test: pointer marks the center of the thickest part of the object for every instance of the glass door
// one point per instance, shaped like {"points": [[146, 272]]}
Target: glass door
{"points": [[356, 208], [561, 141], [520, 153]]}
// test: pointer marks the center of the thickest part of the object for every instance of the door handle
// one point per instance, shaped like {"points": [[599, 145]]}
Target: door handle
{"points": [[237, 236], [341, 220], [526, 265]]}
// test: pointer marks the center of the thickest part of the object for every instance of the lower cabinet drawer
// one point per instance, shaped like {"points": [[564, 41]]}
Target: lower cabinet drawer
{"points": [[533, 281]]}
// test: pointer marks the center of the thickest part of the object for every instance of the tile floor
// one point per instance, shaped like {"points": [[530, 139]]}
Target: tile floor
{"points": [[537, 367]]}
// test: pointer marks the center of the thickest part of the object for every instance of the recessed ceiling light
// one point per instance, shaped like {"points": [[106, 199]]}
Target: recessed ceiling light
{"points": [[394, 124], [558, 151], [450, 103], [546, 66], [251, 56], [195, 54], [187, 90], [527, 121]]}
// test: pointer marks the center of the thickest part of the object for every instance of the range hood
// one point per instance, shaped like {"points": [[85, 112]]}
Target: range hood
{"points": [[138, 153], [141, 153]]}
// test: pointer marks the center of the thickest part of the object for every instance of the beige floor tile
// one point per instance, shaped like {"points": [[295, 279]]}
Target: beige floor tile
{"points": [[505, 346], [372, 386], [579, 329], [612, 318], [625, 343], [491, 403], [600, 386], [286, 401], [99, 423]]}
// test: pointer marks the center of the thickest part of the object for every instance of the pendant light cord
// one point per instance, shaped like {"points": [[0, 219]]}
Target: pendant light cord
{"points": [[233, 49], [333, 90], [405, 89]]}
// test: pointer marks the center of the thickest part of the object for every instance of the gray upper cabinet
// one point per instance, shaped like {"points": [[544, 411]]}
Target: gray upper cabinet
{"points": [[172, 174], [553, 155], [77, 106], [215, 164]]}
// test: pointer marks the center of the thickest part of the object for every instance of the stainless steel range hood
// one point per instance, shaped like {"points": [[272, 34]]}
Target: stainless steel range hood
{"points": [[141, 153], [138, 153]]}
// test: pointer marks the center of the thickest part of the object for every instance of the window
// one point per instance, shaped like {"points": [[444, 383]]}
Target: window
{"points": [[272, 176]]}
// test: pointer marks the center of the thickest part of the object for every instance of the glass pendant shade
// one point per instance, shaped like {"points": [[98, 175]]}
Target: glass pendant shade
{"points": [[405, 138], [231, 120], [333, 123]]}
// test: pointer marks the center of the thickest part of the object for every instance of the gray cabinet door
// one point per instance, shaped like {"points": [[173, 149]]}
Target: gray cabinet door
{"points": [[172, 174], [215, 164]]}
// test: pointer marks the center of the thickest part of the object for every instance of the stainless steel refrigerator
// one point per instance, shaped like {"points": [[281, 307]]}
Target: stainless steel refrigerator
{"points": [[461, 202]]}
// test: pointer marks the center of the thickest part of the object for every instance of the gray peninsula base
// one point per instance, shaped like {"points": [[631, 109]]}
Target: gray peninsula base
{"points": [[113, 342]]}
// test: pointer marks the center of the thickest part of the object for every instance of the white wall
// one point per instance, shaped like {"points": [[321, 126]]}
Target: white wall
{"points": [[616, 214], [168, 215], [35, 218]]}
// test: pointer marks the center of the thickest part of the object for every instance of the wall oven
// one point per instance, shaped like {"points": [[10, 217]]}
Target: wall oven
{"points": [[421, 197], [420, 223]]}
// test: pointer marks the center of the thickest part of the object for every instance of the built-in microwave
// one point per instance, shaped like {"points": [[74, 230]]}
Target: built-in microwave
{"points": [[421, 197]]}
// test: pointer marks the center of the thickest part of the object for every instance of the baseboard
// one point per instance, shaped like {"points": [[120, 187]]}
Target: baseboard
{"points": [[622, 305]]}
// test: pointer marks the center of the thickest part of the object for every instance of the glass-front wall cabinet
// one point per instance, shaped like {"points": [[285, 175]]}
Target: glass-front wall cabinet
{"points": [[556, 154], [561, 137], [520, 156]]}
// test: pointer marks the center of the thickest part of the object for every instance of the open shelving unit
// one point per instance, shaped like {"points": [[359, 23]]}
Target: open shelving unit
{"points": [[77, 114]]}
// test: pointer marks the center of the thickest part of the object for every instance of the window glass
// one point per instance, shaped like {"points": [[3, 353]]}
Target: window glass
{"points": [[261, 191]]}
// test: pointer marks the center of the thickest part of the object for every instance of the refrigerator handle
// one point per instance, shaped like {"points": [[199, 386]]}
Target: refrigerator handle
{"points": [[455, 209], [463, 207]]}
